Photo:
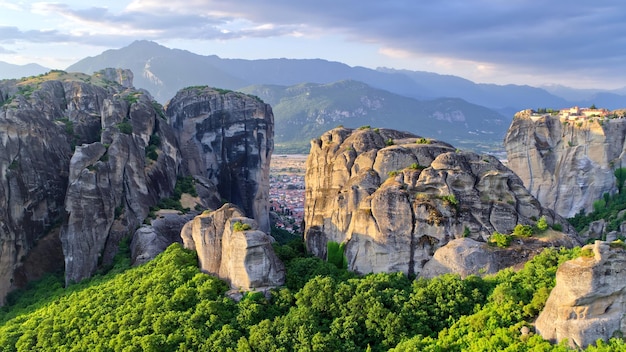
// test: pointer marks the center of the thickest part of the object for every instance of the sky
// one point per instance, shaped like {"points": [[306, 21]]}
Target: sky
{"points": [[577, 43]]}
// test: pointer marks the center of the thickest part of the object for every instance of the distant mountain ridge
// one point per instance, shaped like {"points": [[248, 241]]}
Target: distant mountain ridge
{"points": [[154, 66], [10, 71], [305, 111]]}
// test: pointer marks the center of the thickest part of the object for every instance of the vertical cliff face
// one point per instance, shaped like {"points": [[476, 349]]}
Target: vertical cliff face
{"points": [[83, 158], [226, 140], [34, 159], [394, 198], [567, 163], [589, 300], [112, 182]]}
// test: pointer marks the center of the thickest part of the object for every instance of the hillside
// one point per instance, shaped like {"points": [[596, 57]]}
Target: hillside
{"points": [[167, 305], [303, 112]]}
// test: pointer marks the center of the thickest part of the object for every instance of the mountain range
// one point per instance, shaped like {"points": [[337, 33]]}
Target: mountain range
{"points": [[308, 94]]}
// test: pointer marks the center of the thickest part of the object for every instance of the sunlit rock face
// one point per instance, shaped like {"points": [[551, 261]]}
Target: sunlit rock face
{"points": [[227, 139], [589, 300], [567, 164], [230, 246], [394, 198]]}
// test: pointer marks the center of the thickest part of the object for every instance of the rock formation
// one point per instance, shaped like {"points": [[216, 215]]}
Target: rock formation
{"points": [[394, 198], [465, 256], [230, 246], [589, 300], [567, 163], [226, 140], [83, 158]]}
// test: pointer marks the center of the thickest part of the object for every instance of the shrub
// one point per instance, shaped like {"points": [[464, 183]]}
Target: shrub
{"points": [[557, 227], [335, 255], [389, 142], [125, 127], [542, 224], [499, 239], [423, 141], [466, 232], [523, 230], [587, 253], [366, 127], [450, 199], [239, 226]]}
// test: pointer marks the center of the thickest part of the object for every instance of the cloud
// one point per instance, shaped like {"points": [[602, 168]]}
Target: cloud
{"points": [[6, 51], [522, 35]]}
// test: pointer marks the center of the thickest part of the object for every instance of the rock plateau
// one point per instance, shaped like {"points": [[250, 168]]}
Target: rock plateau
{"points": [[567, 163]]}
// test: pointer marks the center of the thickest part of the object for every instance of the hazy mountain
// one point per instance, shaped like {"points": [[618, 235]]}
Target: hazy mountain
{"points": [[610, 99], [8, 71], [516, 97], [305, 111], [163, 71]]}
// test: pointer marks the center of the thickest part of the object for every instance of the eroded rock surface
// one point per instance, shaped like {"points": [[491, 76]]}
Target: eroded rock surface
{"points": [[589, 300], [245, 258], [566, 164], [466, 256], [394, 198], [84, 158], [226, 140]]}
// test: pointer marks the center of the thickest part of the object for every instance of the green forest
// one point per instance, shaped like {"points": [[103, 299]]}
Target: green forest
{"points": [[167, 304]]}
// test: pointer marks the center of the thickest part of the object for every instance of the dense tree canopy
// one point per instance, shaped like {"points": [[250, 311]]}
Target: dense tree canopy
{"points": [[168, 305]]}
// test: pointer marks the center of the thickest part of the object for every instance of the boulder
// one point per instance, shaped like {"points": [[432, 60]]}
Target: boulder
{"points": [[230, 246], [394, 198], [150, 240], [463, 256], [589, 300]]}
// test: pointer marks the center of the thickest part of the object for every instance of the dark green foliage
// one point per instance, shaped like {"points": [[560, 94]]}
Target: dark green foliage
{"points": [[389, 142], [125, 127], [423, 141], [168, 305], [366, 127], [607, 208], [557, 227], [283, 236], [185, 184], [153, 146], [620, 174], [335, 255]]}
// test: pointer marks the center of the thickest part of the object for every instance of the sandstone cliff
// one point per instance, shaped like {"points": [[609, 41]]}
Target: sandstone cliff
{"points": [[83, 158], [226, 140], [230, 246], [589, 300], [567, 163], [394, 198]]}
